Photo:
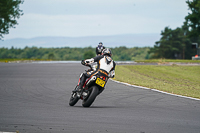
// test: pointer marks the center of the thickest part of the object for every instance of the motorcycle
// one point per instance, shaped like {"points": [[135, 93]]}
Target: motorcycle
{"points": [[92, 87]]}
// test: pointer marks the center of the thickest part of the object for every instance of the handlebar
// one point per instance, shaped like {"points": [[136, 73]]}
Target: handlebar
{"points": [[83, 63]]}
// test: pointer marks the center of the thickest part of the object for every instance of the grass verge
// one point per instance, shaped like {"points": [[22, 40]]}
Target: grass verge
{"points": [[181, 80], [168, 60]]}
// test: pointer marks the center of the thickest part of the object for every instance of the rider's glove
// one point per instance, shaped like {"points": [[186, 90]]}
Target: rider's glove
{"points": [[89, 61]]}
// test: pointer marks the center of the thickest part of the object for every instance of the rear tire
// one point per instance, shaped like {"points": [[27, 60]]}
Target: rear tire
{"points": [[92, 96]]}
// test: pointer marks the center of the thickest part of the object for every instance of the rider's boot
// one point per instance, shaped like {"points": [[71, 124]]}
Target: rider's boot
{"points": [[81, 83]]}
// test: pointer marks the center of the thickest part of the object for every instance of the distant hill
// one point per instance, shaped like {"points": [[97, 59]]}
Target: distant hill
{"points": [[128, 40]]}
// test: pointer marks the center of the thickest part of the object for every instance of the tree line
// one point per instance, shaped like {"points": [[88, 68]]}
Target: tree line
{"points": [[67, 53], [180, 43]]}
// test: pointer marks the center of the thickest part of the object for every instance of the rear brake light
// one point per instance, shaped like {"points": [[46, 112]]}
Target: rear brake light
{"points": [[102, 77]]}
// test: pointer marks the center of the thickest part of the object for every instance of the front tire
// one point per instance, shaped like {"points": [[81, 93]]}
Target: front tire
{"points": [[74, 98], [92, 96]]}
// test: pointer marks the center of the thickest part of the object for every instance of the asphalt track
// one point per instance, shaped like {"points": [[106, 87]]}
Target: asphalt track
{"points": [[34, 99]]}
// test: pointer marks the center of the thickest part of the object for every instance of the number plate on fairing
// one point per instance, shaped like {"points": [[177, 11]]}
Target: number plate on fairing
{"points": [[100, 82]]}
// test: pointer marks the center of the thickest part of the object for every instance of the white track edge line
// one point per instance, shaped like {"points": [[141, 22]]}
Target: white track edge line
{"points": [[155, 90]]}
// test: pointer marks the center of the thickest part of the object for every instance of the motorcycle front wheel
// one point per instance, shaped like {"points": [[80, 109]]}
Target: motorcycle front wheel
{"points": [[74, 98], [92, 94]]}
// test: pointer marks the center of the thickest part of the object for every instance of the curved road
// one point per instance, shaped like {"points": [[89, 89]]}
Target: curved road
{"points": [[34, 99]]}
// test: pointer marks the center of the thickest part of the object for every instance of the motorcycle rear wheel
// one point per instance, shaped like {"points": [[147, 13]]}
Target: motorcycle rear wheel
{"points": [[87, 102]]}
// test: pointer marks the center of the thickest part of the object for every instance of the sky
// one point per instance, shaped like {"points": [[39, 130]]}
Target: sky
{"points": [[80, 18]]}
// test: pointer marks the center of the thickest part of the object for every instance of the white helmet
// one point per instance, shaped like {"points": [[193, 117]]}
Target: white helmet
{"points": [[107, 51]]}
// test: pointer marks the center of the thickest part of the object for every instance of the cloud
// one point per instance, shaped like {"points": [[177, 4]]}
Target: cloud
{"points": [[86, 25], [99, 17]]}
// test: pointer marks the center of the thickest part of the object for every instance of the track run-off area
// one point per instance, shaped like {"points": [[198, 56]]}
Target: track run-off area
{"points": [[34, 99]]}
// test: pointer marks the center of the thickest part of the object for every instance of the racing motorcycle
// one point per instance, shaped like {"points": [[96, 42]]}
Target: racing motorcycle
{"points": [[92, 87]]}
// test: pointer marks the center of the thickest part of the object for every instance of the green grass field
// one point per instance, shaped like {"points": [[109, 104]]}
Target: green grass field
{"points": [[181, 80], [168, 60]]}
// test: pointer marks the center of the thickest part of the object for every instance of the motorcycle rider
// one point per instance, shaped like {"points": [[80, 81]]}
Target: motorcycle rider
{"points": [[105, 67], [99, 48]]}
